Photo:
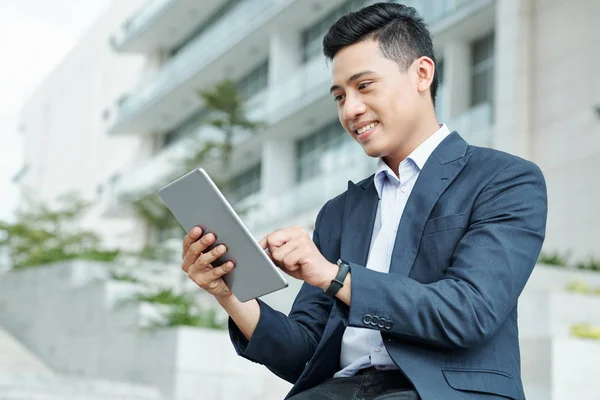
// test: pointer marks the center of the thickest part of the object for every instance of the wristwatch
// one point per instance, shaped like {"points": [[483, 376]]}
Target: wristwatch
{"points": [[338, 281]]}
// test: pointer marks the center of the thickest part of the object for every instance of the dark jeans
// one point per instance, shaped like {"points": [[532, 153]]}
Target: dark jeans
{"points": [[369, 384]]}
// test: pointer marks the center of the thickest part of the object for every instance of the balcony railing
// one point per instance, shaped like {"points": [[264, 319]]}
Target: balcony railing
{"points": [[139, 21], [305, 86], [346, 162], [218, 39], [475, 125], [433, 11]]}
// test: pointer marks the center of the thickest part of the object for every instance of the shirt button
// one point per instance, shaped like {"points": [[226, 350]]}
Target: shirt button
{"points": [[377, 349], [403, 189]]}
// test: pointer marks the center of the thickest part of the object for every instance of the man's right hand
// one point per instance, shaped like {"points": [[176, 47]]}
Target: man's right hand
{"points": [[198, 264]]}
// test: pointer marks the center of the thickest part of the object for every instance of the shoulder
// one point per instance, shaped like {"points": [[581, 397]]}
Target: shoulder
{"points": [[493, 163]]}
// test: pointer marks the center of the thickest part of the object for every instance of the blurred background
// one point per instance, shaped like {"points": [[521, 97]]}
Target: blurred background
{"points": [[102, 102]]}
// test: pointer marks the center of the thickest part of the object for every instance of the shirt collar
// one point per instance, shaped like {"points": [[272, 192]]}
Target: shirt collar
{"points": [[418, 156]]}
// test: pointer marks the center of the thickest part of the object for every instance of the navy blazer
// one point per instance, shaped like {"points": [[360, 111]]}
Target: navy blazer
{"points": [[467, 242]]}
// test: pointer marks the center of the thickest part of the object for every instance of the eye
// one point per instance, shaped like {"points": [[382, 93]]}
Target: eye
{"points": [[363, 85], [338, 98]]}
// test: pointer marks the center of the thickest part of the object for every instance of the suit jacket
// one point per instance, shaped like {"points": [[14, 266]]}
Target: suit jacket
{"points": [[466, 245]]}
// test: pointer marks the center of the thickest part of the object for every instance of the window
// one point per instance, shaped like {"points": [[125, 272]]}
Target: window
{"points": [[186, 128], [312, 37], [482, 78], [313, 148], [245, 184], [255, 81]]}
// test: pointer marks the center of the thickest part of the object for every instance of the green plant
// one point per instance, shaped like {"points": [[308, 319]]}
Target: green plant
{"points": [[579, 286], [123, 277], [586, 331], [226, 112], [42, 235], [182, 310], [591, 264], [555, 259]]}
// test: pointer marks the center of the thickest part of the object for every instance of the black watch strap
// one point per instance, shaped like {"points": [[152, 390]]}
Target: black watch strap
{"points": [[338, 281]]}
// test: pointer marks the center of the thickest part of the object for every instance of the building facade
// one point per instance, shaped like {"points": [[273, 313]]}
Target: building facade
{"points": [[122, 121], [123, 108]]}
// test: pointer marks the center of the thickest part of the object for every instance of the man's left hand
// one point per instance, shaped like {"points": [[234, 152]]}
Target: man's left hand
{"points": [[292, 250]]}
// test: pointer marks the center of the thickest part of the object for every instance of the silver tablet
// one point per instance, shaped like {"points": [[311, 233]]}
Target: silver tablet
{"points": [[195, 200]]}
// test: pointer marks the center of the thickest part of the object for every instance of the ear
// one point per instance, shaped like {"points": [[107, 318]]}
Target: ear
{"points": [[425, 69]]}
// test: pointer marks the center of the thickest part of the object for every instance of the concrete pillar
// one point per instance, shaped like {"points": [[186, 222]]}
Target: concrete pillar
{"points": [[278, 171], [285, 55], [512, 77], [456, 95]]}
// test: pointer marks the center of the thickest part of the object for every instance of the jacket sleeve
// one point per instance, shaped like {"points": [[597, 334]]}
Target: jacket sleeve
{"points": [[284, 344], [488, 271]]}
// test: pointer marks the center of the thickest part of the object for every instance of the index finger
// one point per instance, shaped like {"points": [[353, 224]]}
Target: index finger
{"points": [[277, 239], [193, 235]]}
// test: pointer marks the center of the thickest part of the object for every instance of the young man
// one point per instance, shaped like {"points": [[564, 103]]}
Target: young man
{"points": [[434, 248]]}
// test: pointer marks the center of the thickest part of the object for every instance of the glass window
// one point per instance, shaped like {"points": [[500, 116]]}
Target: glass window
{"points": [[255, 81], [312, 149], [245, 184], [482, 79], [186, 128], [312, 36]]}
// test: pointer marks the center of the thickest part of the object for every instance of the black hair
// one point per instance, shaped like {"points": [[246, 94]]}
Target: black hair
{"points": [[401, 32]]}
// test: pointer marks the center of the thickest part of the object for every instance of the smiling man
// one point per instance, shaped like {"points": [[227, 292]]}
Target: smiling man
{"points": [[412, 277]]}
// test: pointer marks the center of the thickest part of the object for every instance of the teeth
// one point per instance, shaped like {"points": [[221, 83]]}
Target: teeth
{"points": [[366, 128]]}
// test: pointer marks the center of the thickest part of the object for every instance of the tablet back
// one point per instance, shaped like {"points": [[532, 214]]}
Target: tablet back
{"points": [[195, 200]]}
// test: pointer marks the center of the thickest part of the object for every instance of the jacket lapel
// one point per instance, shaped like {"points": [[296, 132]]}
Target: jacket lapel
{"points": [[445, 163], [357, 224]]}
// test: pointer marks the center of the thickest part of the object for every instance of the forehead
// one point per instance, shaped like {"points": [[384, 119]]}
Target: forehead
{"points": [[361, 56]]}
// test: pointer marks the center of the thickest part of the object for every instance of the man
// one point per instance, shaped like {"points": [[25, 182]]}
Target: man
{"points": [[435, 247]]}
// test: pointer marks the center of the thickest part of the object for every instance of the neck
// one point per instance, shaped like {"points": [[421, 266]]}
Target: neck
{"points": [[419, 134]]}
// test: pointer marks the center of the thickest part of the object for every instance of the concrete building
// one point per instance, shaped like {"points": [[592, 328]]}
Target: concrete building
{"points": [[114, 120], [516, 75]]}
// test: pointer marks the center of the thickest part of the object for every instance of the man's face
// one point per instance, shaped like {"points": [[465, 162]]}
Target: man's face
{"points": [[378, 104]]}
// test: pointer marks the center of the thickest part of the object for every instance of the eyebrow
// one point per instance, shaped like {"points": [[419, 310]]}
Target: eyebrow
{"points": [[352, 78]]}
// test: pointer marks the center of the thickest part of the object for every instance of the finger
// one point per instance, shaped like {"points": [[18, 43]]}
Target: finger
{"points": [[222, 270], [291, 261], [190, 238], [279, 253], [211, 256], [195, 250], [277, 239], [263, 243], [210, 279]]}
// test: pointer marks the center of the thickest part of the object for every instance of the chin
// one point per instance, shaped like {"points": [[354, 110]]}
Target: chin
{"points": [[373, 152]]}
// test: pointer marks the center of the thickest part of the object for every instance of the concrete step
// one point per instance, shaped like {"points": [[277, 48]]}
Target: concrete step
{"points": [[16, 358], [44, 387]]}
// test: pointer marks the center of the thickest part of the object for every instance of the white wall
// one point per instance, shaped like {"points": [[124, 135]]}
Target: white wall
{"points": [[566, 142], [69, 316], [63, 127]]}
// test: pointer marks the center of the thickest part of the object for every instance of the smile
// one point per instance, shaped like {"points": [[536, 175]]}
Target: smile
{"points": [[366, 128]]}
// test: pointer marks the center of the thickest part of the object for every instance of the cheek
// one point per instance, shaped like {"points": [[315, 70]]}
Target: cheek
{"points": [[342, 120]]}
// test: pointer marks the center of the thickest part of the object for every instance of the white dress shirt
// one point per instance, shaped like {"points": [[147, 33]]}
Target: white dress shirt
{"points": [[361, 347]]}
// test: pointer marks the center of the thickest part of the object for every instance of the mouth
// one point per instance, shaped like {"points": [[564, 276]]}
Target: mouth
{"points": [[366, 131]]}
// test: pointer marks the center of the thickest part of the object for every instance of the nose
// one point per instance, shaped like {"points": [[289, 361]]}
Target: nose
{"points": [[353, 107]]}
